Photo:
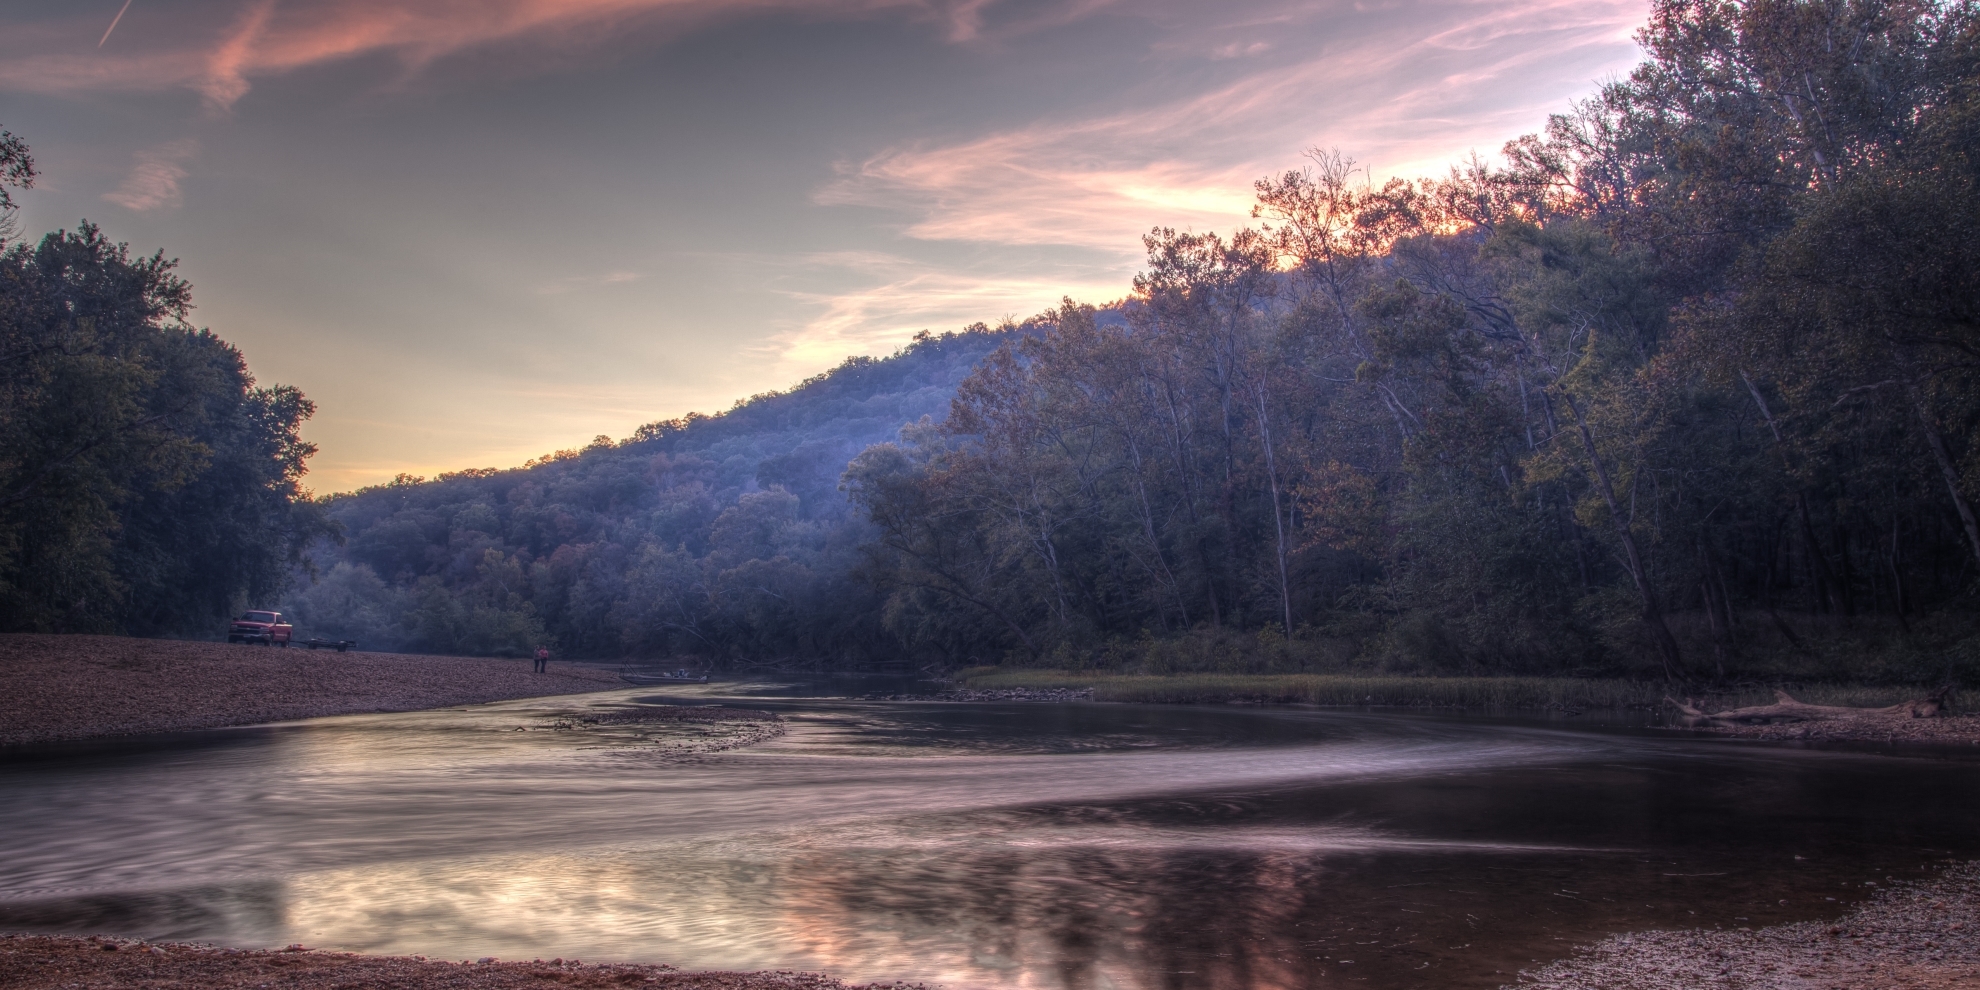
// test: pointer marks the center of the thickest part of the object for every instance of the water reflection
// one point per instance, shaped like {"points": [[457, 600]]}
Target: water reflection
{"points": [[978, 845]]}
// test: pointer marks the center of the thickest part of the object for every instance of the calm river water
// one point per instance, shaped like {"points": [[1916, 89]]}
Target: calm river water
{"points": [[974, 845]]}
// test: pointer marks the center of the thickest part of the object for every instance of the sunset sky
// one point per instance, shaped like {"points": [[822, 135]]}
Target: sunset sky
{"points": [[475, 231]]}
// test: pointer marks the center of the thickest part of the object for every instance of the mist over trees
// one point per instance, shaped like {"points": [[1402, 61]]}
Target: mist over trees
{"points": [[723, 536]]}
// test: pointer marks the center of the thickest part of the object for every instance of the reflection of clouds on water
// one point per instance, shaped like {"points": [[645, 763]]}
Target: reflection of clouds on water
{"points": [[1005, 898], [1041, 847]]}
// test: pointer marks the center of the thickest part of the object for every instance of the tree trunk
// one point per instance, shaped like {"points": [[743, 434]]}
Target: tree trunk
{"points": [[1826, 599], [1278, 522], [1786, 709], [1951, 474], [1653, 617]]}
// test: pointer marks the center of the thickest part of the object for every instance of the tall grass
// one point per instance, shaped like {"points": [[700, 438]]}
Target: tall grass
{"points": [[1505, 693]]}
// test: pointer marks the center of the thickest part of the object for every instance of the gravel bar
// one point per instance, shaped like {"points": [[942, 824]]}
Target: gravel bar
{"points": [[1923, 935], [45, 962], [993, 694], [79, 687], [1892, 730]]}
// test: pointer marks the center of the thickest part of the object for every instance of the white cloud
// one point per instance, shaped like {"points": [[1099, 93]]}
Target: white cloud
{"points": [[898, 296], [575, 282], [153, 183], [1412, 90]]}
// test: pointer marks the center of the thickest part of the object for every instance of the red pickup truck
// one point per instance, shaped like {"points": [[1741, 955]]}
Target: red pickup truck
{"points": [[266, 628]]}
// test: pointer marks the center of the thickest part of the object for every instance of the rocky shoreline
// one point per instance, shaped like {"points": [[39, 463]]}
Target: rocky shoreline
{"points": [[1898, 730], [55, 688], [1923, 935], [45, 962], [1944, 730], [681, 730], [996, 694]]}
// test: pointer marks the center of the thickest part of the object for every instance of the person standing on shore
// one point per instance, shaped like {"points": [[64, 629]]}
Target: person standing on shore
{"points": [[542, 659]]}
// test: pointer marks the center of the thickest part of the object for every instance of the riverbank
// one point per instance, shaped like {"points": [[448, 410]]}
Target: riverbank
{"points": [[1922, 935], [56, 688], [1398, 691], [44, 962], [1895, 730], [1507, 694]]}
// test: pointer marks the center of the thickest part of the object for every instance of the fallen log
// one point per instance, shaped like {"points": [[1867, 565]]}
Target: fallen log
{"points": [[1786, 709]]}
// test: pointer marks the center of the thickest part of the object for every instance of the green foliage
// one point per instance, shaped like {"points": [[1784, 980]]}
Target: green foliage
{"points": [[1686, 390], [147, 484], [1683, 389], [16, 169]]}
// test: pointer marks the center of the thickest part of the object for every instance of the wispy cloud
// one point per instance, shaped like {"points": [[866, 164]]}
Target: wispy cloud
{"points": [[153, 183], [1240, 49], [263, 39], [1420, 86], [574, 283], [894, 296], [225, 80]]}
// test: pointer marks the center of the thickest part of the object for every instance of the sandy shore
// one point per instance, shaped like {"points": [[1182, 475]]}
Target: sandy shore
{"points": [[79, 687], [1922, 935], [34, 962]]}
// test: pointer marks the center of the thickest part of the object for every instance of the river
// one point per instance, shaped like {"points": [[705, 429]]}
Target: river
{"points": [[972, 845]]}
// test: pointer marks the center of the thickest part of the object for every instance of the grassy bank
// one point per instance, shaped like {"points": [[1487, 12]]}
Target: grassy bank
{"points": [[1402, 691]]}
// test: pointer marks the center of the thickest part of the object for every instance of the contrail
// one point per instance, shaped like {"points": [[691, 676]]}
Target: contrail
{"points": [[113, 23]]}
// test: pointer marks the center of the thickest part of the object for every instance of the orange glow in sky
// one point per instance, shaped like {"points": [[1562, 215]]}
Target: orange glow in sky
{"points": [[478, 230]]}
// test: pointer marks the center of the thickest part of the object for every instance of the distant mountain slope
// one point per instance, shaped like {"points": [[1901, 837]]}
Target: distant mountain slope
{"points": [[722, 534]]}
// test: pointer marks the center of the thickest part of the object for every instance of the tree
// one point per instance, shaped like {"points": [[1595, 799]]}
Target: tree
{"points": [[146, 483]]}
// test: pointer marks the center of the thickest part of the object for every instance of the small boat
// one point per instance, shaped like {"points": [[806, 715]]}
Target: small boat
{"points": [[682, 676]]}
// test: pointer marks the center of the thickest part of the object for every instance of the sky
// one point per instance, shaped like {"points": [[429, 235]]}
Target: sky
{"points": [[477, 231]]}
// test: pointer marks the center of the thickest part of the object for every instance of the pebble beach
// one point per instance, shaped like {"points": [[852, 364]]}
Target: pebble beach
{"points": [[1923, 935], [35, 962], [55, 688], [1945, 730]]}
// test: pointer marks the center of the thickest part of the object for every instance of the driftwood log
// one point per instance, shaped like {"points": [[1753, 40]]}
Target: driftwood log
{"points": [[1786, 709]]}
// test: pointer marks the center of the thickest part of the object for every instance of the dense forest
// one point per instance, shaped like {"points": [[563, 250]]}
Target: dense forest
{"points": [[147, 483], [1683, 386]]}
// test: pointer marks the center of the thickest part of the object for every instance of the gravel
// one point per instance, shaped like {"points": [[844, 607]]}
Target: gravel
{"points": [[79, 687], [1945, 730], [994, 694], [1923, 935], [34, 962], [679, 730]]}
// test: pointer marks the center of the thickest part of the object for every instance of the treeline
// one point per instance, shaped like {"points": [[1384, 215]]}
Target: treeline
{"points": [[723, 536], [1682, 387], [147, 484], [1685, 387]]}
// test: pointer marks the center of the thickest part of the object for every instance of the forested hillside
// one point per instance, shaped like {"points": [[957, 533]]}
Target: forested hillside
{"points": [[724, 536], [1685, 387]]}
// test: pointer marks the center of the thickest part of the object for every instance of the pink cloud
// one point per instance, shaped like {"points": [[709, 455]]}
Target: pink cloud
{"points": [[153, 183], [897, 296], [225, 79], [1410, 95], [265, 39]]}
